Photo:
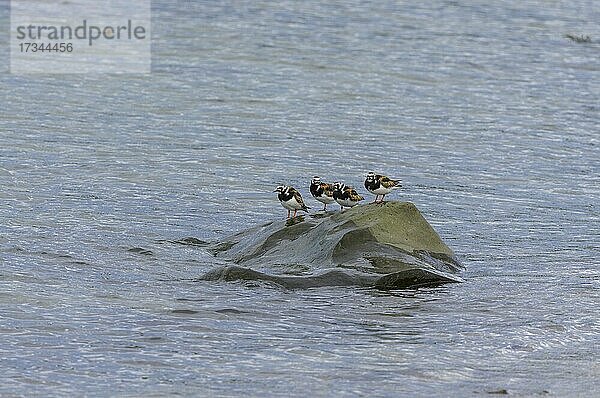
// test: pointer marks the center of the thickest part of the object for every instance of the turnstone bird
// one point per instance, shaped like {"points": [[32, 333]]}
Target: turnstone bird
{"points": [[321, 191], [290, 199], [345, 196], [380, 185]]}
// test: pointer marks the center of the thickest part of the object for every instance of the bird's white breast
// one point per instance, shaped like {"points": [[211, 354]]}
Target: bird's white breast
{"points": [[325, 199], [291, 204], [381, 190], [346, 202]]}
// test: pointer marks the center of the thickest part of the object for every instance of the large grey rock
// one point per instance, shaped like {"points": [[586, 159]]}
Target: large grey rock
{"points": [[385, 246]]}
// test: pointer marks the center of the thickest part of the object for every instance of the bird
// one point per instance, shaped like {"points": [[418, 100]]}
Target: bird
{"points": [[290, 199], [321, 191], [345, 196], [380, 185]]}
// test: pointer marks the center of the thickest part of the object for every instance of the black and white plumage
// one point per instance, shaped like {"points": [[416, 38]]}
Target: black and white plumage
{"points": [[290, 199], [380, 185], [321, 191], [345, 196]]}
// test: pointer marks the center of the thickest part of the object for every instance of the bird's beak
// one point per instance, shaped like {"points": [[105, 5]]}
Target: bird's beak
{"points": [[275, 191]]}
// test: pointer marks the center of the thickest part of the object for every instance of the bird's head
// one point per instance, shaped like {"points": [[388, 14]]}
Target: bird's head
{"points": [[281, 189], [370, 176], [339, 186], [315, 181]]}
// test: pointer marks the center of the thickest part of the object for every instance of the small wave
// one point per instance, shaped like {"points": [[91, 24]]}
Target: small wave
{"points": [[142, 251]]}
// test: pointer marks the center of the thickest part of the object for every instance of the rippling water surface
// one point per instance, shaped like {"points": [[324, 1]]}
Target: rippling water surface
{"points": [[487, 112]]}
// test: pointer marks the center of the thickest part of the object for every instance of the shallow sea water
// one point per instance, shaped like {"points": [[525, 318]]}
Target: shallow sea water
{"points": [[486, 111]]}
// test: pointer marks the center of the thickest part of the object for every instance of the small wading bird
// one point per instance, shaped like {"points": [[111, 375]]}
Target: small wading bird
{"points": [[380, 185], [321, 191], [345, 196], [290, 199]]}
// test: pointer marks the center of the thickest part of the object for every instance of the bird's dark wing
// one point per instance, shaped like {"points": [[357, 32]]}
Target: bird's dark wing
{"points": [[327, 189], [353, 195], [298, 198], [388, 182]]}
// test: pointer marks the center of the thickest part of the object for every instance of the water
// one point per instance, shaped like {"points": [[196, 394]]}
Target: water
{"points": [[486, 111]]}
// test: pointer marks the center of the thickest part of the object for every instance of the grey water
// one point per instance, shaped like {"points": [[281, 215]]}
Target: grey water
{"points": [[488, 113]]}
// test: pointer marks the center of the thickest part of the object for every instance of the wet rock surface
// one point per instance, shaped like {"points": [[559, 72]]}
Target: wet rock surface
{"points": [[385, 246]]}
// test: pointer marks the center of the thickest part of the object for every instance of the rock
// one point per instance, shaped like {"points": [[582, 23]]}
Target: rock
{"points": [[385, 246]]}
